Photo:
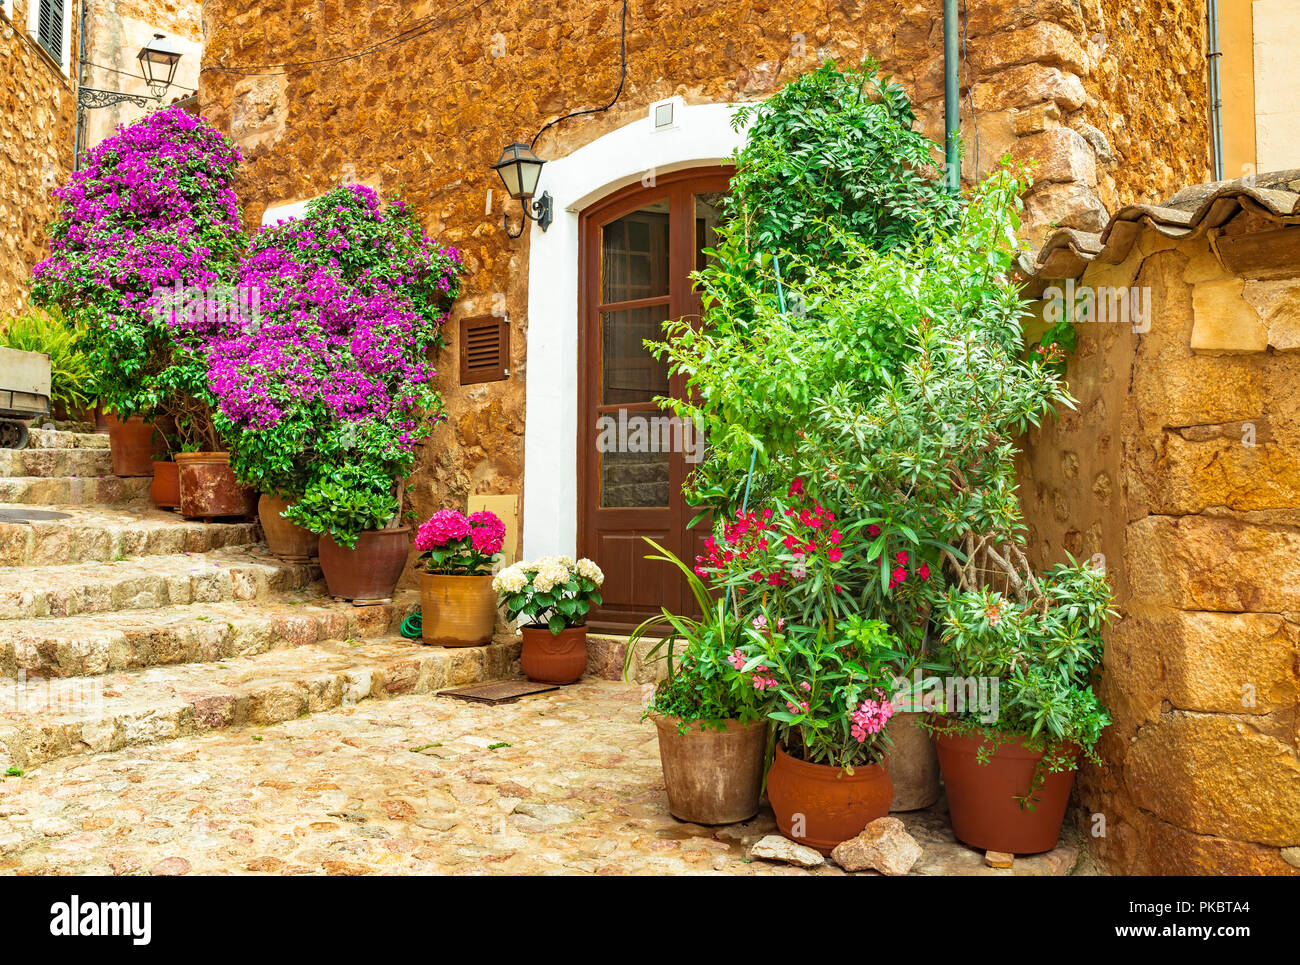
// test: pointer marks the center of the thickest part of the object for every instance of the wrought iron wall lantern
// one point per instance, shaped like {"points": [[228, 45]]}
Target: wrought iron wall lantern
{"points": [[520, 169], [158, 59]]}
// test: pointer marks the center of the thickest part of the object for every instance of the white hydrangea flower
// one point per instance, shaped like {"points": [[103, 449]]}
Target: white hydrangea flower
{"points": [[510, 580], [591, 571]]}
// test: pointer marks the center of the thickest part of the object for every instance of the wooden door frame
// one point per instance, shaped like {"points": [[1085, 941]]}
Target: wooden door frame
{"points": [[679, 189]]}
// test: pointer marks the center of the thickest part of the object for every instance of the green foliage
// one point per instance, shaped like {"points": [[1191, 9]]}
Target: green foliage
{"points": [[72, 381], [1043, 650], [828, 693], [701, 684], [351, 500], [833, 154]]}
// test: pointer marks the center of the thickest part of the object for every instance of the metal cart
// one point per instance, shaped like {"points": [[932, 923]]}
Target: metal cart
{"points": [[24, 394]]}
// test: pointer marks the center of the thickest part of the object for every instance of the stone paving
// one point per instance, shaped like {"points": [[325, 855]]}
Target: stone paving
{"points": [[561, 783]]}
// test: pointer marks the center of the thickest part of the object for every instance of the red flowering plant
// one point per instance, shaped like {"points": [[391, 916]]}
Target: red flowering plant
{"points": [[829, 690], [453, 544]]}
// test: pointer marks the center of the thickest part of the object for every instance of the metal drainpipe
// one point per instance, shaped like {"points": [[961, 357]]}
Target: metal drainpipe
{"points": [[1216, 98], [79, 80], [951, 103]]}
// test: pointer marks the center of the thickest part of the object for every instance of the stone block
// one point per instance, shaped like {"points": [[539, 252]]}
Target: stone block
{"points": [[1223, 322]]}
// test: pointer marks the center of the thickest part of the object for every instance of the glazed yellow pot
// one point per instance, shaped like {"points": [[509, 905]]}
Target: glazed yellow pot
{"points": [[457, 611]]}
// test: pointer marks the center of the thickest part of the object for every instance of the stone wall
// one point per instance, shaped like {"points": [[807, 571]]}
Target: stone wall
{"points": [[428, 116], [1182, 467], [37, 117]]}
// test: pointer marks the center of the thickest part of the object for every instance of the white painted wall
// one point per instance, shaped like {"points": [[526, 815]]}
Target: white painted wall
{"points": [[701, 134]]}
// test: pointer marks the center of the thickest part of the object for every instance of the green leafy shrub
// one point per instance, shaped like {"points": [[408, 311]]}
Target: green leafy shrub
{"points": [[72, 381]]}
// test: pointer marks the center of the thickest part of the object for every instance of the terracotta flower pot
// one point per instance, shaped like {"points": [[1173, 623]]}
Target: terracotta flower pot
{"points": [[165, 490], [554, 659], [913, 763], [130, 446], [208, 488], [982, 797], [712, 776], [368, 573], [457, 611], [284, 538], [827, 804]]}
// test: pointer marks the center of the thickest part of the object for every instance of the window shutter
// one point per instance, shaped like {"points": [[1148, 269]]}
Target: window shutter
{"points": [[49, 28], [484, 349]]}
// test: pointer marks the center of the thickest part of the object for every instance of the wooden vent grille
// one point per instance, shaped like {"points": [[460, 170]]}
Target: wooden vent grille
{"points": [[484, 349]]}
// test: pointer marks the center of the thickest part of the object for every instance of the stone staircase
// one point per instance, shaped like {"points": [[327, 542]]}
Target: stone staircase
{"points": [[122, 625]]}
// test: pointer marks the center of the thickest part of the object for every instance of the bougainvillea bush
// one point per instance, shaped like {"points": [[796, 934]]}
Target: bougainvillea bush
{"points": [[326, 389], [454, 544], [154, 210]]}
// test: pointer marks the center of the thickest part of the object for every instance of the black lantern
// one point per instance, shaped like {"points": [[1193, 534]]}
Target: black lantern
{"points": [[158, 60], [520, 169]]}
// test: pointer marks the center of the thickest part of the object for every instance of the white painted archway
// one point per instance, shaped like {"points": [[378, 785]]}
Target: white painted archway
{"points": [[701, 134]]}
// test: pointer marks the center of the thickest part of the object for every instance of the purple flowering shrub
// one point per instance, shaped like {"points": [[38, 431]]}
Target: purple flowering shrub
{"points": [[153, 210], [325, 390], [454, 544]]}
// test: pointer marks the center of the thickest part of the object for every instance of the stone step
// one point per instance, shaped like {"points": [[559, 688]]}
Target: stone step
{"points": [[55, 462], [102, 534], [62, 439], [47, 720], [149, 582], [74, 490], [114, 642]]}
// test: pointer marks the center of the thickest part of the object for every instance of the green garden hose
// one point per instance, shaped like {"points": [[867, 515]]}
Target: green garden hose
{"points": [[412, 627]]}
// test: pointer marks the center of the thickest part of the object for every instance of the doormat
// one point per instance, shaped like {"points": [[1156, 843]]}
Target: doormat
{"points": [[498, 691]]}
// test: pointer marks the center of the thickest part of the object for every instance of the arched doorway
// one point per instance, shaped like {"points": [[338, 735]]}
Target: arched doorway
{"points": [[637, 249]]}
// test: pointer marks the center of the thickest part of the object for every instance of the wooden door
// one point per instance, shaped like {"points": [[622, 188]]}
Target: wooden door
{"points": [[637, 251]]}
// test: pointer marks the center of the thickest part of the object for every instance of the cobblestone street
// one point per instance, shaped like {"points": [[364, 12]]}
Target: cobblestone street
{"points": [[561, 783]]}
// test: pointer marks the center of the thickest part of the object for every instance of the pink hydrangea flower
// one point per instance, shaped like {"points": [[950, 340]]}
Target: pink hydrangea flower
{"points": [[443, 527]]}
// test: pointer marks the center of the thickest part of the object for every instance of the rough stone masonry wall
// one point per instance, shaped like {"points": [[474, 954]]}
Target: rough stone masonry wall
{"points": [[430, 115], [1182, 467], [37, 116]]}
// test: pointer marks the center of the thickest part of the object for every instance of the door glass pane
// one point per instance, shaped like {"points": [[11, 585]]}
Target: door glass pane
{"points": [[634, 478], [629, 373], [634, 255]]}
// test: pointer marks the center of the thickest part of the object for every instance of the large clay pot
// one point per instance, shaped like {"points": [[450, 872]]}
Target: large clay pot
{"points": [[913, 763], [284, 538], [457, 611], [827, 804], [712, 776], [368, 573], [982, 797], [165, 490], [208, 488], [554, 658], [130, 446]]}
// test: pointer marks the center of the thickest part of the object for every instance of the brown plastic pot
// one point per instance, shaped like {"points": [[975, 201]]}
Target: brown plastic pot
{"points": [[457, 611], [827, 804], [208, 488], [712, 776], [368, 573], [913, 763], [284, 538], [554, 658], [130, 446], [165, 490], [982, 797]]}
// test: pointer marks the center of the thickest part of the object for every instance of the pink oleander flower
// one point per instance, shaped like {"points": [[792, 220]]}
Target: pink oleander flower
{"points": [[759, 623], [737, 659], [870, 717]]}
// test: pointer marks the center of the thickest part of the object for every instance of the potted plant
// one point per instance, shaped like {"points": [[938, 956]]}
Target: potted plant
{"points": [[458, 607], [1009, 767], [321, 379], [553, 594], [152, 213], [829, 697], [712, 733]]}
